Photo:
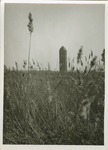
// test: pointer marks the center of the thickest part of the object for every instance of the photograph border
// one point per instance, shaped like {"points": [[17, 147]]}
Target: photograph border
{"points": [[52, 147]]}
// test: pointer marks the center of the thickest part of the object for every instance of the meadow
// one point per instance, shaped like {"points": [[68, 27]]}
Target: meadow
{"points": [[51, 107]]}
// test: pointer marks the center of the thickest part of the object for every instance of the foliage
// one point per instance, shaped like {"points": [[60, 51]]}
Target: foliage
{"points": [[61, 108]]}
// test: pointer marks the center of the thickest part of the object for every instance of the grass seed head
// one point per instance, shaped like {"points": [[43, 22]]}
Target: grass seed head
{"points": [[30, 24], [79, 56]]}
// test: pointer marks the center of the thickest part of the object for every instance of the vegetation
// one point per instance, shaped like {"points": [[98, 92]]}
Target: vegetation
{"points": [[59, 108]]}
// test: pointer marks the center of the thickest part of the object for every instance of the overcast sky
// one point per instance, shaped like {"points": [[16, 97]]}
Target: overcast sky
{"points": [[55, 25]]}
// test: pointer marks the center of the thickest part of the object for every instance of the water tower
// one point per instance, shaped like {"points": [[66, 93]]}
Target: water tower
{"points": [[63, 59]]}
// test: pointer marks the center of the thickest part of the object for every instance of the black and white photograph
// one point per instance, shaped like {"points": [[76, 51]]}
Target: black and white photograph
{"points": [[54, 74]]}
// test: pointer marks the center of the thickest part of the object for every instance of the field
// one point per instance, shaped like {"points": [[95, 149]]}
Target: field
{"points": [[47, 107]]}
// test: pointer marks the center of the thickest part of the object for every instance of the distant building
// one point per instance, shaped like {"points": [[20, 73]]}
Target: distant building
{"points": [[63, 59]]}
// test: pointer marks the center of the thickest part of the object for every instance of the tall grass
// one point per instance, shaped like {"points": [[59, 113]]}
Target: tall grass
{"points": [[61, 108]]}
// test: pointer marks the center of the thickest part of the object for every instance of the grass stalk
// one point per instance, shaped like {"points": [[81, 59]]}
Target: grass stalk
{"points": [[30, 27]]}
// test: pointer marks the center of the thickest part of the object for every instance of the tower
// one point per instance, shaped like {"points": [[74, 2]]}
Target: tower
{"points": [[63, 59]]}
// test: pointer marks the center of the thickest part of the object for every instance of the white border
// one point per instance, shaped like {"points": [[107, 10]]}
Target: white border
{"points": [[52, 147], [53, 2], [106, 75]]}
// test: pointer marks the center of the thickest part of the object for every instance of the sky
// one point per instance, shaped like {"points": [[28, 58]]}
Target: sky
{"points": [[55, 25]]}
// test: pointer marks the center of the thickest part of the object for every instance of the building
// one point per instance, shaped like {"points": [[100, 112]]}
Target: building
{"points": [[63, 59]]}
